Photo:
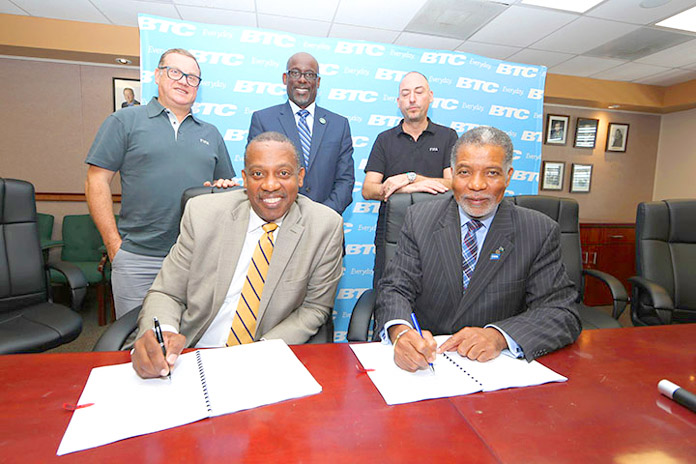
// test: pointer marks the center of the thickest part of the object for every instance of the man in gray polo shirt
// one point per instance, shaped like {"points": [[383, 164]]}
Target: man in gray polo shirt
{"points": [[159, 149]]}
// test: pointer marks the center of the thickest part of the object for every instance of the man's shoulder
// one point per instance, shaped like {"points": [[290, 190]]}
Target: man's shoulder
{"points": [[431, 208], [208, 204], [271, 110], [527, 218], [439, 128], [324, 113], [317, 213]]}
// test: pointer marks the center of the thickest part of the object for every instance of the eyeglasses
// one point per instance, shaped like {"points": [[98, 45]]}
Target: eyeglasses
{"points": [[309, 75], [176, 74]]}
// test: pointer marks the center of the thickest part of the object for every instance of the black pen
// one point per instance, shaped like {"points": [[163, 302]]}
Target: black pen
{"points": [[417, 327], [160, 340]]}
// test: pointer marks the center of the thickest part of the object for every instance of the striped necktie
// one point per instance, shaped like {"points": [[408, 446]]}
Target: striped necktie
{"points": [[305, 136], [244, 322], [469, 250]]}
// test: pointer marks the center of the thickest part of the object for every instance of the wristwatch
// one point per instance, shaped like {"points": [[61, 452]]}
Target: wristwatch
{"points": [[411, 176]]}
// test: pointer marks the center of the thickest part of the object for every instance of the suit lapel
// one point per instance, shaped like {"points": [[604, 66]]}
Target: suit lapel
{"points": [[447, 236], [233, 233], [287, 121], [499, 236], [318, 130], [288, 238]]}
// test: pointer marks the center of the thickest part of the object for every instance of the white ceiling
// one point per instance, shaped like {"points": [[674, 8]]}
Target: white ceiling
{"points": [[615, 40]]}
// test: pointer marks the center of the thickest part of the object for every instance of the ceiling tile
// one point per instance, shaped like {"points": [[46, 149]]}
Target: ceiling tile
{"points": [[499, 52], [671, 77], [583, 34], [6, 7], [453, 18], [520, 26], [74, 10], [295, 25], [237, 5], [629, 11], [125, 12], [584, 66], [676, 56], [540, 57], [410, 39], [629, 72], [384, 14], [345, 31], [216, 16], [322, 10], [639, 43]]}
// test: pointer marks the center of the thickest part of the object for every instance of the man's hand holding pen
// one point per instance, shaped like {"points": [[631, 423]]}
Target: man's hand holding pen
{"points": [[147, 357], [411, 351]]}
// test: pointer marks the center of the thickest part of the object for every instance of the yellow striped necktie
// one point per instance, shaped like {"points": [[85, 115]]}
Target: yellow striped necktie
{"points": [[244, 322]]}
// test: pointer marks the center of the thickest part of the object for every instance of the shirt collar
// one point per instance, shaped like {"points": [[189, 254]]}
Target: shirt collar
{"points": [[486, 221], [429, 127], [255, 222], [155, 108], [296, 108]]}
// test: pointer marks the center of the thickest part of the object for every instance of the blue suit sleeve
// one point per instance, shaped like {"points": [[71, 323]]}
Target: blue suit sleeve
{"points": [[342, 192], [255, 128]]}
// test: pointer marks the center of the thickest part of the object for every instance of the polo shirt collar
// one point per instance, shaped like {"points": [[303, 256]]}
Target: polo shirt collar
{"points": [[155, 108], [430, 127]]}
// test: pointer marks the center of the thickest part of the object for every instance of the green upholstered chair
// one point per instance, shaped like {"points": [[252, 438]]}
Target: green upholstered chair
{"points": [[83, 246]]}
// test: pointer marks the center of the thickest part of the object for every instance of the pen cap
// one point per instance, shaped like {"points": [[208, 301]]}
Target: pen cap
{"points": [[667, 388]]}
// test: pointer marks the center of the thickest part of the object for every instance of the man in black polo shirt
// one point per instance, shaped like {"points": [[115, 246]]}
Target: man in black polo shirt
{"points": [[411, 157]]}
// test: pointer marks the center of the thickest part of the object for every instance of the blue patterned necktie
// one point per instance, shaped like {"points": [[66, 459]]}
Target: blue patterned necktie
{"points": [[469, 250], [305, 136]]}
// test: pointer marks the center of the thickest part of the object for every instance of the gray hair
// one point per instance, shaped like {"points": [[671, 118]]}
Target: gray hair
{"points": [[274, 137], [484, 135], [179, 51]]}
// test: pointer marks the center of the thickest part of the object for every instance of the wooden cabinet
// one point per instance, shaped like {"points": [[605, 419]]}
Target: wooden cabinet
{"points": [[610, 248]]}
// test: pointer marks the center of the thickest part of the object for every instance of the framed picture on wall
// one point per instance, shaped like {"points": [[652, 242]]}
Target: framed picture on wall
{"points": [[586, 133], [126, 92], [556, 129], [580, 178], [617, 137], [552, 175]]}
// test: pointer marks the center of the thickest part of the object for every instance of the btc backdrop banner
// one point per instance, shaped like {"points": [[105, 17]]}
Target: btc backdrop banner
{"points": [[242, 72]]}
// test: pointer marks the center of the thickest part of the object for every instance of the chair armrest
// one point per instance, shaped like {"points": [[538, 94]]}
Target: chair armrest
{"points": [[116, 335], [76, 281], [618, 292], [661, 300], [359, 324], [46, 244]]}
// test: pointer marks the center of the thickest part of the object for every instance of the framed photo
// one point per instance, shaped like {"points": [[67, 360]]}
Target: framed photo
{"points": [[586, 133], [552, 175], [580, 178], [126, 92], [556, 129], [617, 137]]}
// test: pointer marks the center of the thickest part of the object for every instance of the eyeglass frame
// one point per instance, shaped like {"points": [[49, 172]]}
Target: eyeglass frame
{"points": [[305, 74], [183, 74]]}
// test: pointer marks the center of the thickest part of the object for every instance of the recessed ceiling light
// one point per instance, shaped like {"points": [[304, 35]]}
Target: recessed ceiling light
{"points": [[123, 61], [653, 3], [613, 107], [686, 21], [576, 6]]}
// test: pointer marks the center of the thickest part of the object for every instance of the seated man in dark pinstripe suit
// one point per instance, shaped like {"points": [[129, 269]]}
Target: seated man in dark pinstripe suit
{"points": [[478, 267]]}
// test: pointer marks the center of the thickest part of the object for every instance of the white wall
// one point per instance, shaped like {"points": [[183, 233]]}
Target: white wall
{"points": [[675, 172]]}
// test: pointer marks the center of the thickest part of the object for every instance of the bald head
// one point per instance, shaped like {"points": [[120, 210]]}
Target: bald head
{"points": [[302, 79], [415, 97]]}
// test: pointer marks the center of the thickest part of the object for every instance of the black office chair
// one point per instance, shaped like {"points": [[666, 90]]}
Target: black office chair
{"points": [[664, 291], [562, 210], [116, 336], [29, 320]]}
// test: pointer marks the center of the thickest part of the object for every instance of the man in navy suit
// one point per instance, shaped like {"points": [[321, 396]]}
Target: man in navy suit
{"points": [[478, 267], [322, 137]]}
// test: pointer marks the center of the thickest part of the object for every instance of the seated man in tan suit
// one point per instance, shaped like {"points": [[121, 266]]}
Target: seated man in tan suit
{"points": [[263, 262]]}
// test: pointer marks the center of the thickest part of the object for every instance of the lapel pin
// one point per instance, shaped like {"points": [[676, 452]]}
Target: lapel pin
{"points": [[322, 120], [496, 254]]}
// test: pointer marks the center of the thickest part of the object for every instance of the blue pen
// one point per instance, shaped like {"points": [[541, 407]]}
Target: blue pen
{"points": [[416, 325]]}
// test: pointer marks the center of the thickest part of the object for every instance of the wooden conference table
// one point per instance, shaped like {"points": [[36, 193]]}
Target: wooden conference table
{"points": [[608, 411]]}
